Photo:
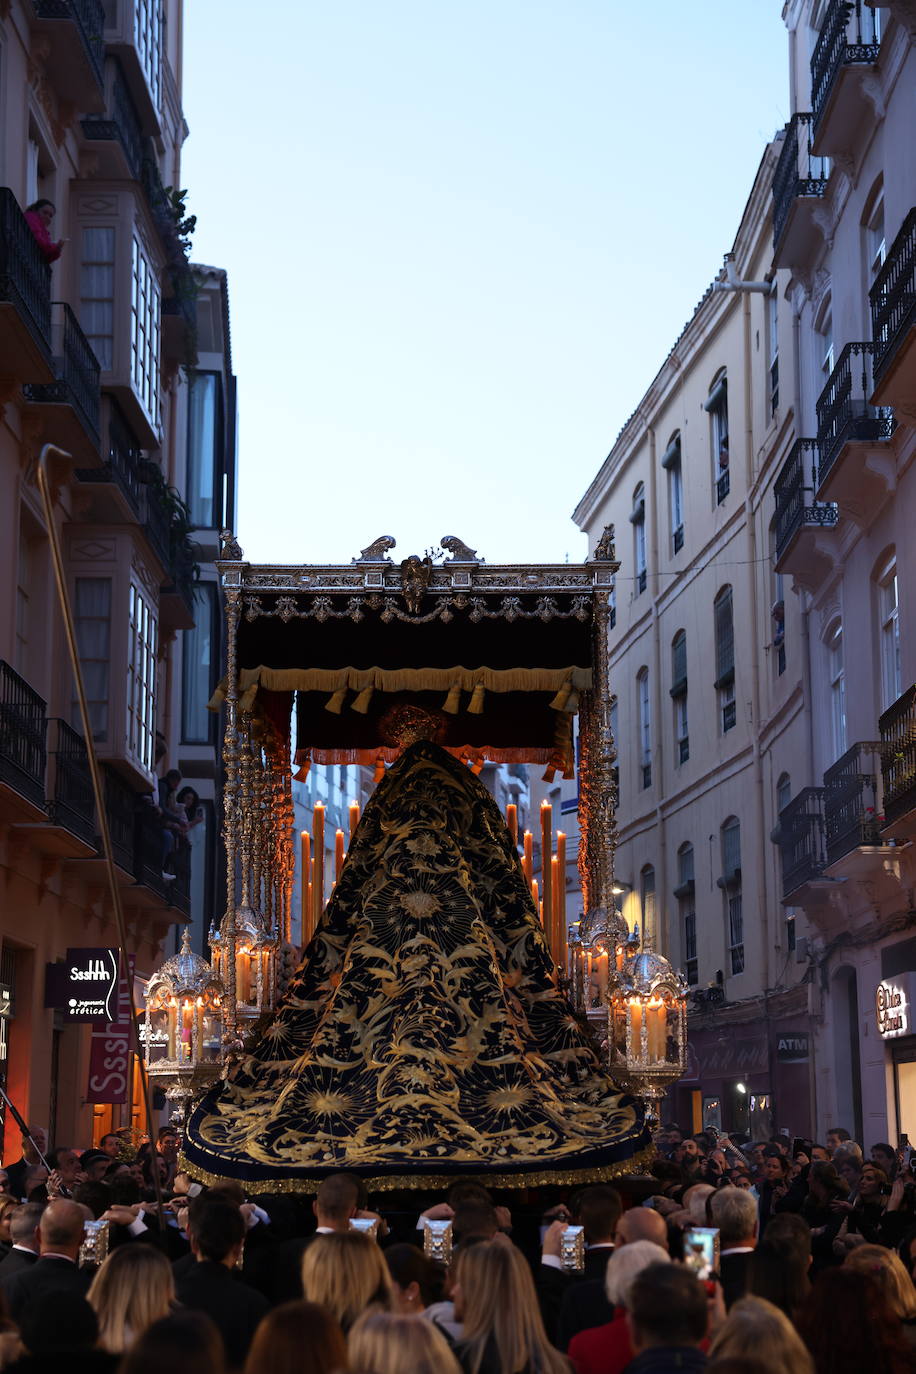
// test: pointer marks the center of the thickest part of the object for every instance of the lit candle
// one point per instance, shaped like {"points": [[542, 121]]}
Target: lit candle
{"points": [[546, 853], [318, 863], [305, 870], [636, 1013], [535, 896], [243, 974], [512, 823], [354, 818], [561, 890], [172, 1030], [656, 1019], [555, 940], [338, 854], [528, 861], [187, 1021]]}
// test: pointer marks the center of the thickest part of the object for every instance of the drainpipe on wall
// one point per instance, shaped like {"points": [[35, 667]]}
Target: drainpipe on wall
{"points": [[662, 921]]}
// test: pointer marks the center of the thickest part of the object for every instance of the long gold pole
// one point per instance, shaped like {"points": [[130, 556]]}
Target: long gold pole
{"points": [[95, 773]]}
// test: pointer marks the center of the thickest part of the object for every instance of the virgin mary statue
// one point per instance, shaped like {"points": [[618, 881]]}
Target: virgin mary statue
{"points": [[423, 1037]]}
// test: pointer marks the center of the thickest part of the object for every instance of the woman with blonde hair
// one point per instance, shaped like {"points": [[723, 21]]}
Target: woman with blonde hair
{"points": [[888, 1269], [298, 1338], [755, 1328], [495, 1299], [344, 1271], [390, 1343], [133, 1289]]}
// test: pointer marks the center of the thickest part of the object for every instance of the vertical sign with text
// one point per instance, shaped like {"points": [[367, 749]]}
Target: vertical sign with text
{"points": [[109, 1055]]}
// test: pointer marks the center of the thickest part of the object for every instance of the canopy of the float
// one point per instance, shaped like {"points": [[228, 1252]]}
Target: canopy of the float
{"points": [[503, 653]]}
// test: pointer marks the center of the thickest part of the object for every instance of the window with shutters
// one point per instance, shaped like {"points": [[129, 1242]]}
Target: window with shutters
{"points": [[889, 629], [671, 462], [679, 696], [837, 681], [638, 521], [92, 622], [730, 882], [717, 409], [645, 726], [647, 902], [685, 895], [725, 658]]}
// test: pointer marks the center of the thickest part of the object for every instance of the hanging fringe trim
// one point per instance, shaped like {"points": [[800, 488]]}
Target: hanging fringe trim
{"points": [[537, 1178], [452, 702], [361, 704], [407, 680]]}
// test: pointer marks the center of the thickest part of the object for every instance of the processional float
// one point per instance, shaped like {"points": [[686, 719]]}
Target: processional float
{"points": [[433, 1028]]}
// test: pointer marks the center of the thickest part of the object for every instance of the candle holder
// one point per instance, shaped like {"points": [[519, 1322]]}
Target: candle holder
{"points": [[182, 1027], [647, 1025], [255, 959]]}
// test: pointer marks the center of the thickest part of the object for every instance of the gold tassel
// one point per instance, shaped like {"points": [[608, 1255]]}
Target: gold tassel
{"points": [[453, 700], [302, 773], [549, 773], [361, 704], [335, 703], [246, 700], [475, 705], [379, 769], [572, 705], [477, 767], [562, 697]]}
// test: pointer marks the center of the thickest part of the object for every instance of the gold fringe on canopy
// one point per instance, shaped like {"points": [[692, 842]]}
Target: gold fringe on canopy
{"points": [[563, 682], [538, 1178]]}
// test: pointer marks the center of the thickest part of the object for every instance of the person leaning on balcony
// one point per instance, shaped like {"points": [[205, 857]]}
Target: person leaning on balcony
{"points": [[38, 217]]}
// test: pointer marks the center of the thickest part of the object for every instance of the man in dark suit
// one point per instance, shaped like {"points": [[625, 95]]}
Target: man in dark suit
{"points": [[15, 1173], [734, 1211], [60, 1235], [24, 1221], [216, 1230], [597, 1210]]}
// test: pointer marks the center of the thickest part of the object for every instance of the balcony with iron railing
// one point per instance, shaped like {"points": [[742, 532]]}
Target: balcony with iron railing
{"points": [[71, 802], [802, 845], [852, 809], [122, 475], [25, 298], [74, 46], [897, 727], [23, 739], [117, 132], [799, 183], [893, 320], [848, 45], [852, 434], [69, 406], [801, 520]]}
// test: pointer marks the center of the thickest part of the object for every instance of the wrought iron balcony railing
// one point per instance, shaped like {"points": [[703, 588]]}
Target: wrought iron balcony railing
{"points": [[87, 16], [120, 123], [723, 486], [23, 736], [72, 803], [120, 808], [25, 277], [849, 35], [180, 890], [897, 727], [801, 841], [843, 410], [893, 297], [798, 172], [851, 796], [76, 368], [796, 508], [125, 466]]}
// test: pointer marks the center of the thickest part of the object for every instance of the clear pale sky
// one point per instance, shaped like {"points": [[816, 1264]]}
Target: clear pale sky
{"points": [[461, 237]]}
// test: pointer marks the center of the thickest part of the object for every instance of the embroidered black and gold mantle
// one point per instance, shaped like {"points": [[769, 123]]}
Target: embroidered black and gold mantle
{"points": [[422, 1036]]}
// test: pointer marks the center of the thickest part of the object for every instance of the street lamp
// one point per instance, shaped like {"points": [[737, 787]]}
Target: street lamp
{"points": [[182, 1027], [648, 1027]]}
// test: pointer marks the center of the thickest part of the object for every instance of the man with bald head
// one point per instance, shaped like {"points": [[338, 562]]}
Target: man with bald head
{"points": [[642, 1223], [60, 1235]]}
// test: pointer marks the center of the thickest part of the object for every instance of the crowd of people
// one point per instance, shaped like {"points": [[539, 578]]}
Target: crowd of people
{"points": [[811, 1271]]}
